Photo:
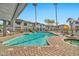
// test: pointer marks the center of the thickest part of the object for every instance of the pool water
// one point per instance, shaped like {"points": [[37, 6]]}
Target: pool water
{"points": [[34, 39], [72, 41]]}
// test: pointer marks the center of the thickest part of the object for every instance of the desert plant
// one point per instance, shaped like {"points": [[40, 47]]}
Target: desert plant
{"points": [[71, 21]]}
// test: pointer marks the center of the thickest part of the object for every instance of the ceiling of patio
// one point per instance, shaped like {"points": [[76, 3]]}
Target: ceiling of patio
{"points": [[9, 11]]}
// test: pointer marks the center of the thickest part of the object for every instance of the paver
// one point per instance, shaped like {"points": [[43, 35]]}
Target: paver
{"points": [[56, 47]]}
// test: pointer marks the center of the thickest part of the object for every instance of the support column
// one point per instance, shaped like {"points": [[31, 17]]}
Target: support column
{"points": [[12, 26], [27, 27], [4, 28], [22, 26]]}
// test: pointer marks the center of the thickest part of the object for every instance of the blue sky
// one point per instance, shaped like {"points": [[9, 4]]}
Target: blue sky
{"points": [[47, 11]]}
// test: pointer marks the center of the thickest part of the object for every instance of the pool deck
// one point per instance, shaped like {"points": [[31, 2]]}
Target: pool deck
{"points": [[57, 47], [3, 38]]}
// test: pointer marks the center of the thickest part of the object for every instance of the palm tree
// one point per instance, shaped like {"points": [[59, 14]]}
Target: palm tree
{"points": [[56, 13], [35, 5], [49, 21], [71, 21]]}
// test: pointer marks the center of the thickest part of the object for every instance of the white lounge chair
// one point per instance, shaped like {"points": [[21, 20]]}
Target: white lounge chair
{"points": [[8, 32]]}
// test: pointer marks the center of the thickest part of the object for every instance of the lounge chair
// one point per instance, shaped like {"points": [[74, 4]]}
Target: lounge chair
{"points": [[8, 32]]}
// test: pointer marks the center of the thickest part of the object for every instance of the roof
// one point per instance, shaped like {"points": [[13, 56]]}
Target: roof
{"points": [[9, 11]]}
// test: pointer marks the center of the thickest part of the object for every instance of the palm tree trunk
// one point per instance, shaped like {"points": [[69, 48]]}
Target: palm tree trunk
{"points": [[56, 16], [35, 5], [35, 14], [35, 17], [71, 30], [56, 13]]}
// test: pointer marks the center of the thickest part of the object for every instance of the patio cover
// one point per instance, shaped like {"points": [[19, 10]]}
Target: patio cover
{"points": [[9, 11]]}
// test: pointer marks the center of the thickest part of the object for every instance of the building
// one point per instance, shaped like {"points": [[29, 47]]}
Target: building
{"points": [[61, 28], [42, 27], [76, 26], [30, 26], [50, 27], [18, 25]]}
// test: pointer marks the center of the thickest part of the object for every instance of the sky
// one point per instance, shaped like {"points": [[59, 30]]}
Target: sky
{"points": [[47, 11]]}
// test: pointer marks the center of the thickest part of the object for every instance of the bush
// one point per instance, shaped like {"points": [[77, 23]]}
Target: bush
{"points": [[30, 30]]}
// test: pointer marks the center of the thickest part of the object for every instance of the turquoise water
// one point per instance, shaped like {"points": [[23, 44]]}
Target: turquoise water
{"points": [[72, 41], [34, 39]]}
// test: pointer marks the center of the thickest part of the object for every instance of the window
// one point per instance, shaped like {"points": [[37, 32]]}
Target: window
{"points": [[77, 22]]}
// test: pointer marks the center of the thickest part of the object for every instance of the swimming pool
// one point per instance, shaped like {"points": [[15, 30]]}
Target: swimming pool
{"points": [[72, 41], [34, 39]]}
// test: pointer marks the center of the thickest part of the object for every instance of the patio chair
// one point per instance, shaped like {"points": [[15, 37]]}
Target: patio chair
{"points": [[8, 32]]}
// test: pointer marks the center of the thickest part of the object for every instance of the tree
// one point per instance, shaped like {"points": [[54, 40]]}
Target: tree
{"points": [[49, 21], [71, 21], [55, 4], [35, 6]]}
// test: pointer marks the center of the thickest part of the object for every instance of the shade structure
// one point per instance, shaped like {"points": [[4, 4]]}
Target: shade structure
{"points": [[9, 11]]}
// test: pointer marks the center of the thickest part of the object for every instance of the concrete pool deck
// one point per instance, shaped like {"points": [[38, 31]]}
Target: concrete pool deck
{"points": [[57, 47], [3, 38]]}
